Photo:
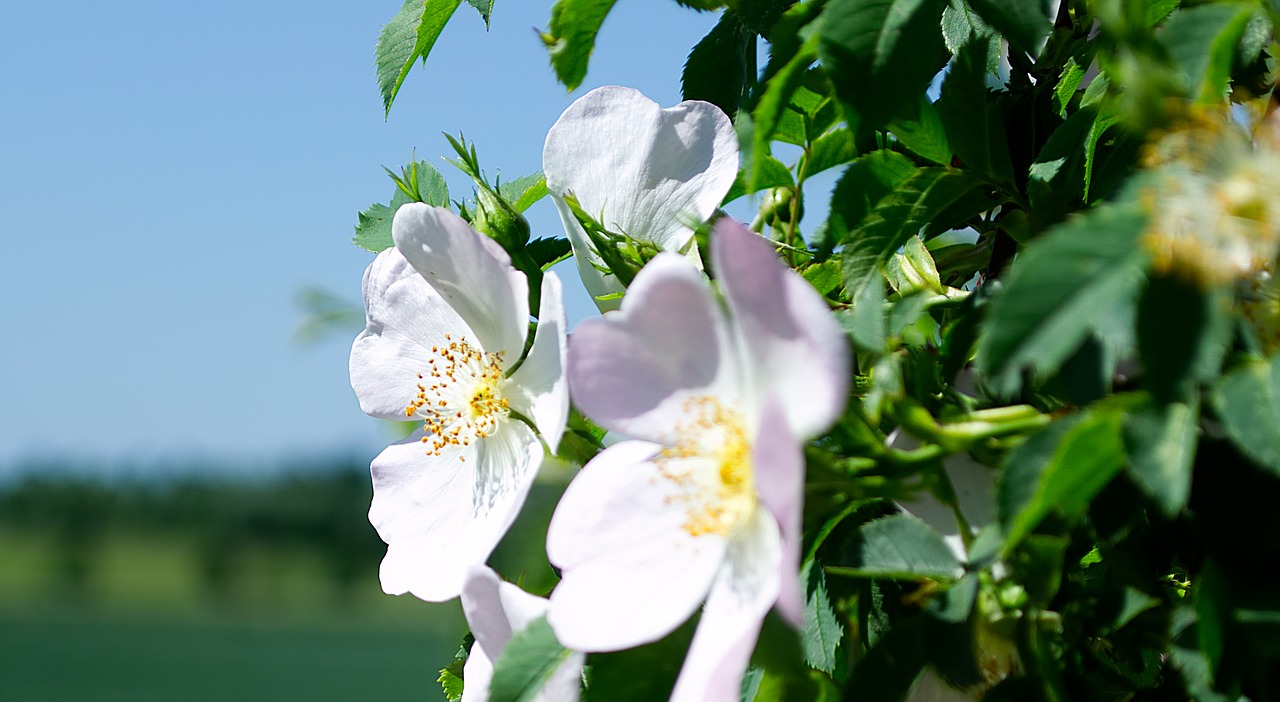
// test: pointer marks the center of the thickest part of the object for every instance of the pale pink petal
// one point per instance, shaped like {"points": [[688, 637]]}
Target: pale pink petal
{"points": [[539, 388], [405, 317], [471, 272], [794, 345], [632, 371], [495, 611], [779, 471], [631, 571], [744, 590], [639, 169], [442, 514]]}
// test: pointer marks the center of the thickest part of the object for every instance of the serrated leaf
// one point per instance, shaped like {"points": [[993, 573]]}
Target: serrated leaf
{"points": [[881, 55], [822, 630], [824, 277], [1248, 403], [773, 174], [899, 216], [1202, 42], [1025, 23], [373, 228], [451, 680], [772, 106], [1060, 468], [759, 16], [409, 36], [548, 251], [1068, 83], [1161, 443], [925, 135], [716, 70], [529, 659], [572, 37], [835, 148], [974, 126], [901, 547], [960, 24], [484, 7], [522, 192], [1056, 179], [1081, 278], [864, 320]]}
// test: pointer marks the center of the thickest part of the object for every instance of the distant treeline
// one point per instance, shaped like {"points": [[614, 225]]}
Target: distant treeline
{"points": [[321, 511]]}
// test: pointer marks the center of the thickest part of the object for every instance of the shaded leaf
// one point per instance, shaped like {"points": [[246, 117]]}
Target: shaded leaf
{"points": [[531, 656], [1248, 403], [614, 676], [1202, 42], [571, 37], [925, 135], [974, 124], [717, 68], [1183, 333], [901, 547], [1025, 23], [1161, 443]]}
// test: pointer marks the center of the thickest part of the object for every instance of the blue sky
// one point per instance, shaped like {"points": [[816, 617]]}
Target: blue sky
{"points": [[170, 179]]}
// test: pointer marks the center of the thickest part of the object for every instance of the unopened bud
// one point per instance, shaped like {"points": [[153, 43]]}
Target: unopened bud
{"points": [[497, 219]]}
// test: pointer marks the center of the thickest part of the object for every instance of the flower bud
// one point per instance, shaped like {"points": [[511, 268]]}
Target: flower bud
{"points": [[497, 219]]}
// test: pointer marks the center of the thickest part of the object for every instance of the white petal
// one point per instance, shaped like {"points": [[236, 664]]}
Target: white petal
{"points": [[440, 515], [471, 271], [477, 673], [646, 171], [779, 471], [794, 344], [743, 592], [539, 387], [633, 370], [405, 317], [639, 169], [631, 572]]}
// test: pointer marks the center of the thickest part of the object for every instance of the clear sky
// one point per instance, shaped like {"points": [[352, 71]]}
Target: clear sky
{"points": [[170, 178]]}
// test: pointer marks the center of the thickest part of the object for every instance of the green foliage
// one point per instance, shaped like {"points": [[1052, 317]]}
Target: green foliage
{"points": [[408, 37], [1248, 402], [531, 656], [572, 37], [881, 54], [901, 547], [418, 182], [613, 676], [1202, 43], [720, 67], [1025, 23]]}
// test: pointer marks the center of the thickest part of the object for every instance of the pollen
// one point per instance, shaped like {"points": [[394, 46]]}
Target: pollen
{"points": [[459, 398], [709, 460]]}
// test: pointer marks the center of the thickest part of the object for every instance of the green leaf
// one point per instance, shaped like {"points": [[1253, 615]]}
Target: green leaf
{"points": [[548, 251], [1161, 442], [1061, 468], [419, 182], [864, 320], [639, 674], [892, 664], [531, 656], [406, 38], [824, 277], [772, 174], [832, 149], [925, 135], [881, 55], [1083, 277], [960, 24], [896, 218], [769, 111], [572, 37], [1183, 333], [1248, 403], [822, 631], [451, 680], [1025, 23], [1202, 43], [1056, 180], [974, 126], [373, 228], [901, 547], [522, 192], [1068, 83], [484, 7], [717, 68], [759, 16]]}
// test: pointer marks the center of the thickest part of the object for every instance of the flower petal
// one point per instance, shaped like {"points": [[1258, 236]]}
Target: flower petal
{"points": [[631, 371], [539, 387], [793, 343], [744, 590], [631, 572], [779, 471], [442, 514], [471, 272], [405, 317], [639, 169]]}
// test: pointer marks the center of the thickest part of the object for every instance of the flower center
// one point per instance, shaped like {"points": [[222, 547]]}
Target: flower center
{"points": [[459, 396], [710, 459]]}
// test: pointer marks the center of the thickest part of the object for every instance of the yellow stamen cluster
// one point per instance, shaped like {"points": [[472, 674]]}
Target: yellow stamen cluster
{"points": [[710, 459], [1214, 211], [459, 396]]}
